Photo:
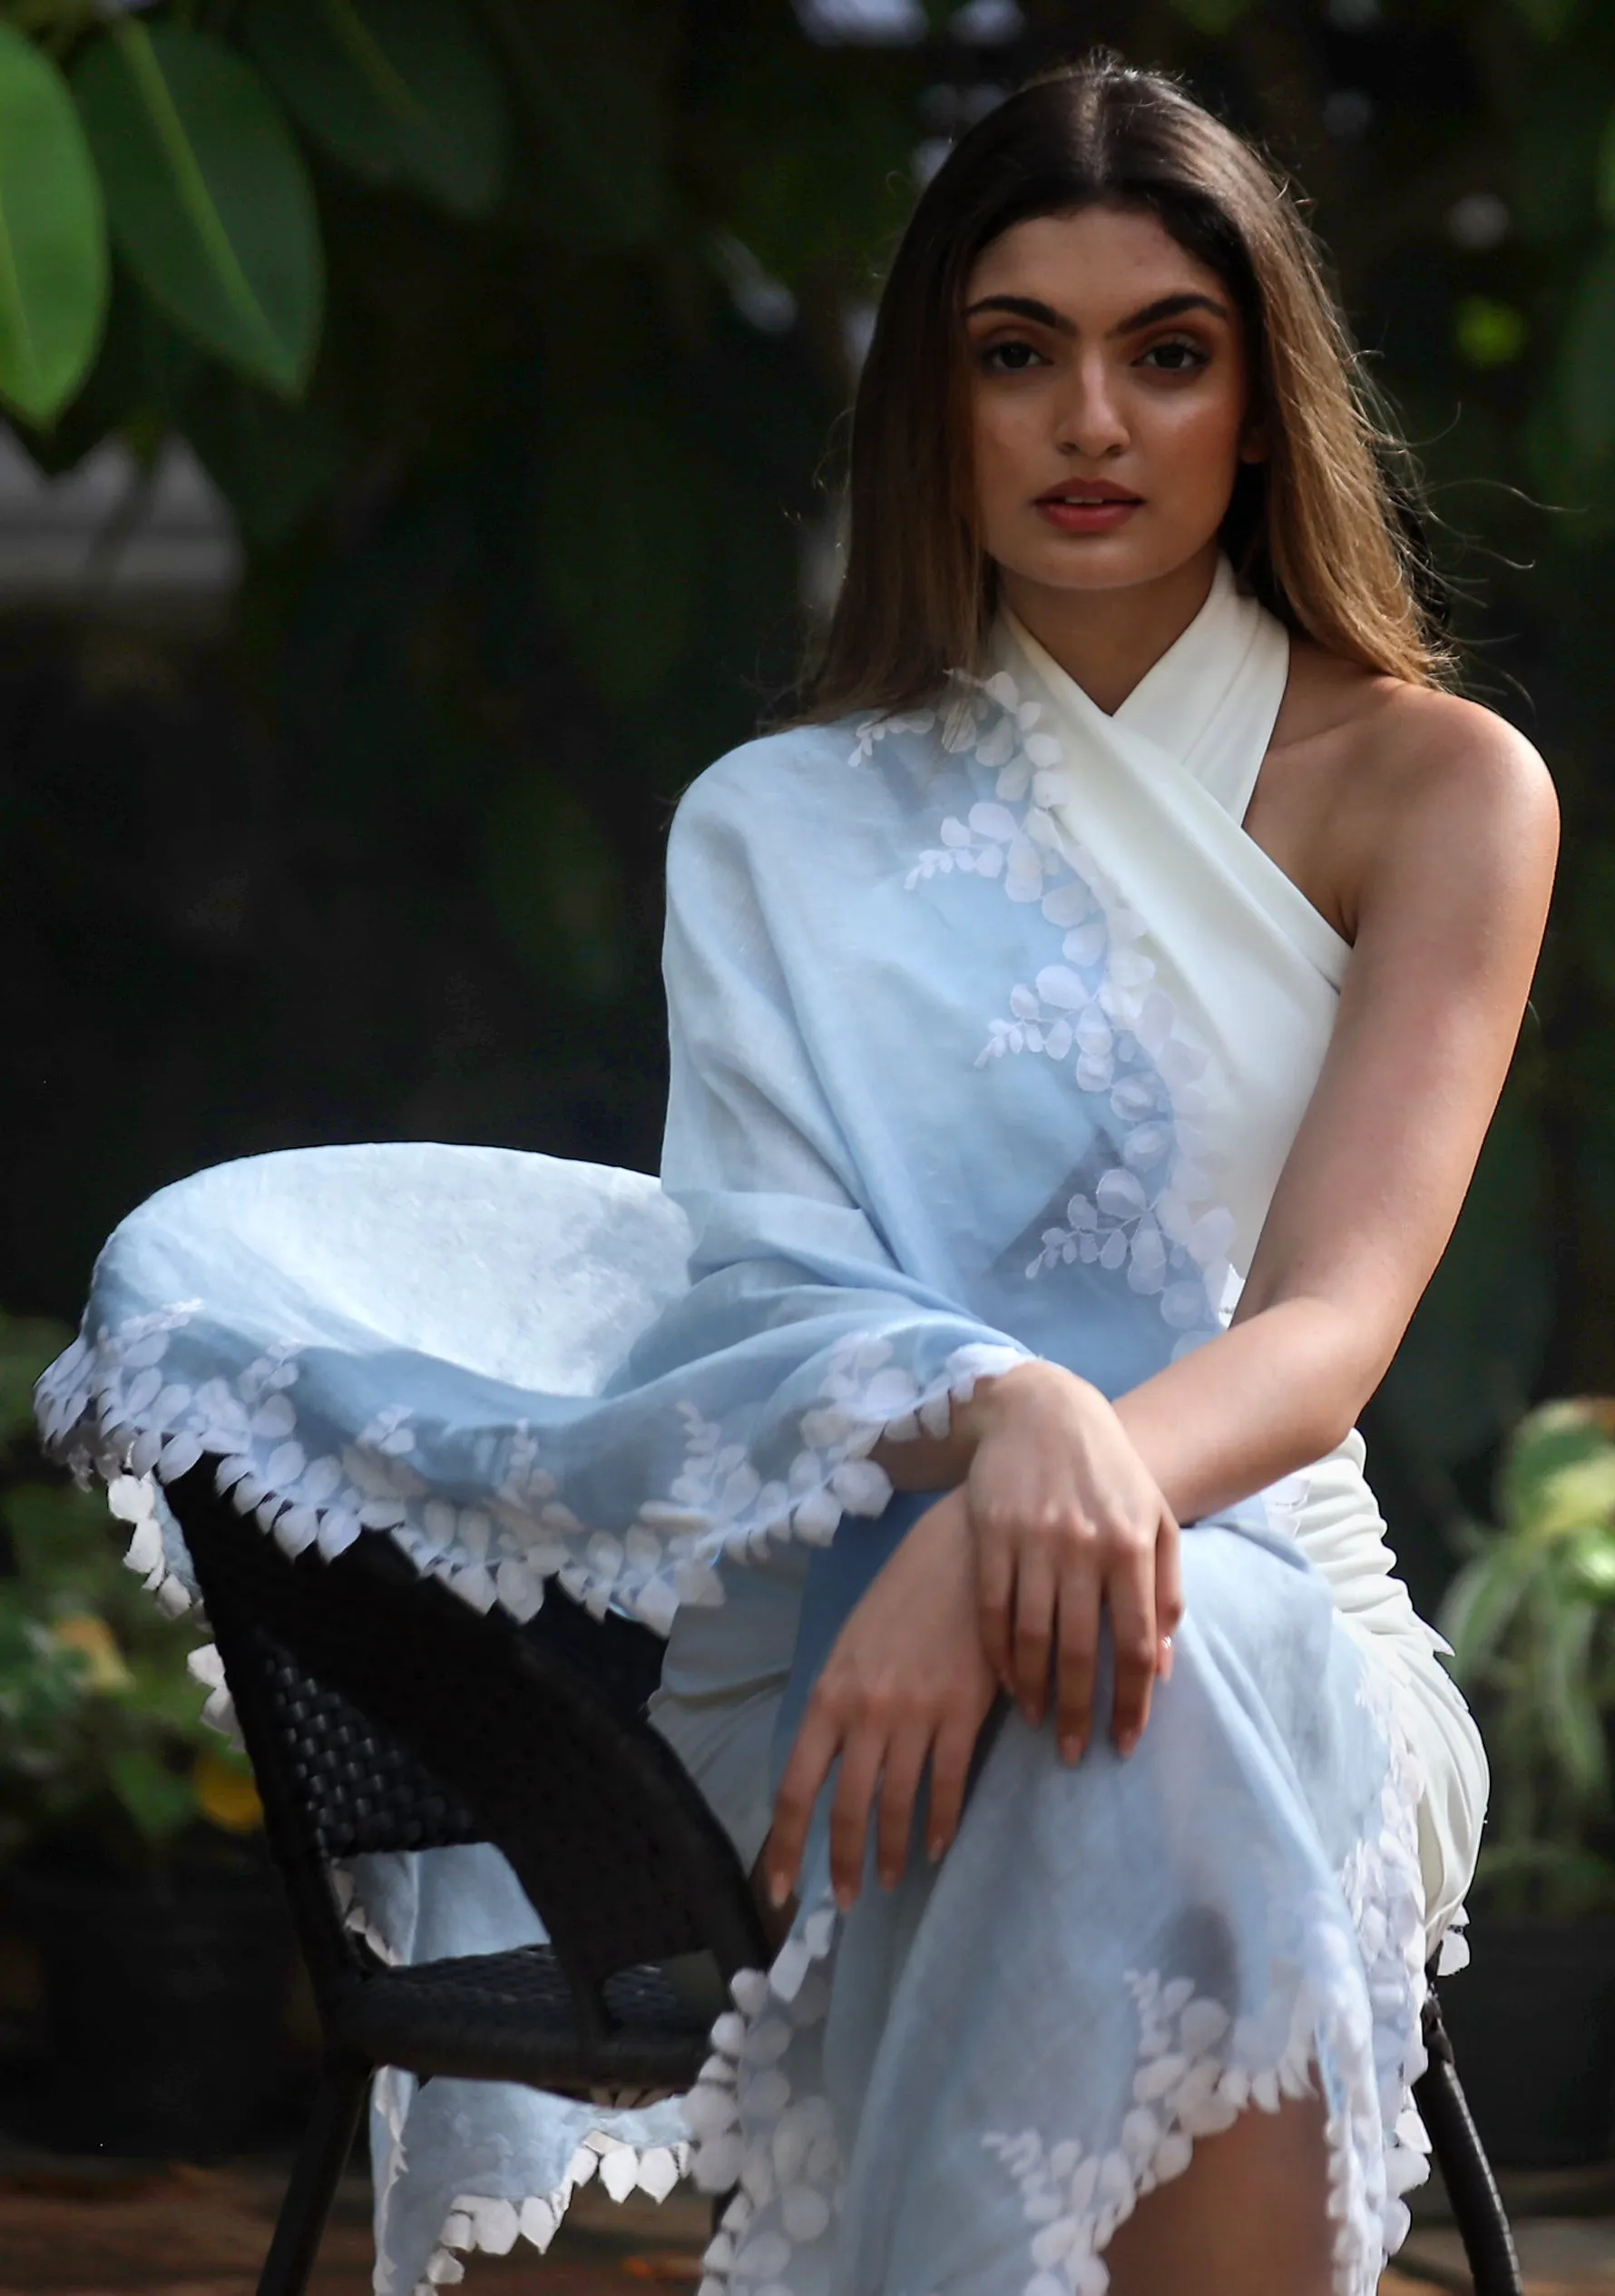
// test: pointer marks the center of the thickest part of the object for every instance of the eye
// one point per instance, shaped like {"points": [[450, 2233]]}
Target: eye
{"points": [[1176, 355], [1010, 356]]}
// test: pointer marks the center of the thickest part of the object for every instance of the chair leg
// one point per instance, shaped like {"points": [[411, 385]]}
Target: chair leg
{"points": [[344, 2084], [1477, 2205]]}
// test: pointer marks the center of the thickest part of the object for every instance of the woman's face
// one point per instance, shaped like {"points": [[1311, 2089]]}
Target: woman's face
{"points": [[1110, 395]]}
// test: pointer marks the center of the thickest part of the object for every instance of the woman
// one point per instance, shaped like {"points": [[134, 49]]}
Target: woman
{"points": [[1084, 1028]]}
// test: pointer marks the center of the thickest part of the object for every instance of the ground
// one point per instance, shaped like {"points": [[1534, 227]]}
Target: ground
{"points": [[101, 2229]]}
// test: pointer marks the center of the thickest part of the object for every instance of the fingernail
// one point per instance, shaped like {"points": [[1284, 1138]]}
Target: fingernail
{"points": [[1073, 1748], [934, 1848], [1125, 1742], [779, 1891], [1165, 1668], [888, 1877], [844, 1897]]}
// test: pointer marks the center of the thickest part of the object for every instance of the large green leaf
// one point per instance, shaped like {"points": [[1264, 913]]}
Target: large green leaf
{"points": [[28, 1343], [1547, 18], [271, 461], [1559, 1475], [621, 538], [1587, 360], [815, 164], [1481, 1602], [53, 236], [1589, 870], [1589, 1065], [208, 198], [1216, 18], [1571, 1726], [555, 887], [1604, 172], [584, 70], [1549, 1880], [159, 1802], [399, 91]]}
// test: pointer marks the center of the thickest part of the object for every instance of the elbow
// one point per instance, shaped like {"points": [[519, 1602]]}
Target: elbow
{"points": [[1334, 1389], [1328, 1425], [1339, 1396], [1321, 1359]]}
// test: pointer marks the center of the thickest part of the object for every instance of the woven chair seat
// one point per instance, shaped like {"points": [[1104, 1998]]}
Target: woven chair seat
{"points": [[380, 1712], [511, 2017]]}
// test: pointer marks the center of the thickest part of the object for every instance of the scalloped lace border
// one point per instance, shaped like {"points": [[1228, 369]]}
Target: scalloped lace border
{"points": [[480, 2223], [106, 1409], [1182, 2089]]}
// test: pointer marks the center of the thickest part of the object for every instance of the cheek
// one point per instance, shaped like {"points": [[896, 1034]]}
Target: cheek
{"points": [[1002, 437], [1200, 438]]}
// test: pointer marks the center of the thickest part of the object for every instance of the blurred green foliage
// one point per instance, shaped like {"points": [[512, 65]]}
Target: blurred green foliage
{"points": [[104, 1755], [1531, 1616], [515, 333]]}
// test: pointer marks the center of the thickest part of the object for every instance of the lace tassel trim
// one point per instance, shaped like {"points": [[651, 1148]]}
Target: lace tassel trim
{"points": [[786, 2152], [106, 1409], [484, 2223]]}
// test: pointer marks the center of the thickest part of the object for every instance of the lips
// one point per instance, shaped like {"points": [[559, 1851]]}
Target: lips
{"points": [[1087, 506], [1086, 491]]}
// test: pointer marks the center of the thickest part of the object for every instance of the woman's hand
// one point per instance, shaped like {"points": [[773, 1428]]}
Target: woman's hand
{"points": [[1067, 1519], [906, 1679]]}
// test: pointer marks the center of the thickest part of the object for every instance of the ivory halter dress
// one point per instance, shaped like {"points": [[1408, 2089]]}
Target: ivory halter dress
{"points": [[991, 1032]]}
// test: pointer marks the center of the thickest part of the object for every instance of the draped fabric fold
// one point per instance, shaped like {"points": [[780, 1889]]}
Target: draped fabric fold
{"points": [[991, 1029]]}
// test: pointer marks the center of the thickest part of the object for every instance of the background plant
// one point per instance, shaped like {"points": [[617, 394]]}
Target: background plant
{"points": [[513, 332], [102, 1752], [1532, 1619]]}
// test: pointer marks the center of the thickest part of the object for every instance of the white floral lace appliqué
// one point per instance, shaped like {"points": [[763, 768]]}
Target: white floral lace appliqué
{"points": [[1199, 2068], [1096, 1006], [106, 1408]]}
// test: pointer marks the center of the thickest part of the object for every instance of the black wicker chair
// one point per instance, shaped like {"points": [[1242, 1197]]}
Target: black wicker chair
{"points": [[380, 1710]]}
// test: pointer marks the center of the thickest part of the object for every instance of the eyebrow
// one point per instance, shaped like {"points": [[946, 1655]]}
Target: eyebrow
{"points": [[1044, 314]]}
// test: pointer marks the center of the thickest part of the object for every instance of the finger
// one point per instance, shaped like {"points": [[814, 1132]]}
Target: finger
{"points": [[950, 1774], [1033, 1634], [1168, 1576], [814, 1752], [899, 1783], [1130, 1591], [1078, 1655], [995, 1590], [861, 1760]]}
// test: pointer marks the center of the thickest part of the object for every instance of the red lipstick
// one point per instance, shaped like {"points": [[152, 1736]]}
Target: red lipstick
{"points": [[1087, 505]]}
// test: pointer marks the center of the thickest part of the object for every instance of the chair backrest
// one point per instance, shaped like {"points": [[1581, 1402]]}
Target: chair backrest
{"points": [[381, 1711]]}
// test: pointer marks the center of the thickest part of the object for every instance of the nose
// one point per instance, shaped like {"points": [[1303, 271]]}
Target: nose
{"points": [[1091, 421]]}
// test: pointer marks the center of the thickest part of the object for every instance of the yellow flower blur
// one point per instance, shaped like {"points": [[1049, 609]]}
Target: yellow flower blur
{"points": [[226, 1796], [93, 1640]]}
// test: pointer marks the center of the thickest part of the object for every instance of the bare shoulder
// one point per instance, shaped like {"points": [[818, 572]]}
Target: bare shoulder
{"points": [[1438, 750], [1414, 745], [1468, 819], [1395, 781]]}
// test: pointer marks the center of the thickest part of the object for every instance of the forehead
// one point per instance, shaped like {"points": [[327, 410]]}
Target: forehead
{"points": [[1095, 267]]}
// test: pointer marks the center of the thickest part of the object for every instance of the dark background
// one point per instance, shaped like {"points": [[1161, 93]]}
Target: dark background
{"points": [[369, 844]]}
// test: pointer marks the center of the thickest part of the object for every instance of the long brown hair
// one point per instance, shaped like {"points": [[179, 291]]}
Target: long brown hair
{"points": [[1323, 530]]}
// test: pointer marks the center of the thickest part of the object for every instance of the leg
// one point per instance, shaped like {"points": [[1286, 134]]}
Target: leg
{"points": [[318, 2170], [1248, 2217]]}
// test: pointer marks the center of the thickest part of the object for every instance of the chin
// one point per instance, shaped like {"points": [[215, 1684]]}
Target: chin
{"points": [[1103, 562]]}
